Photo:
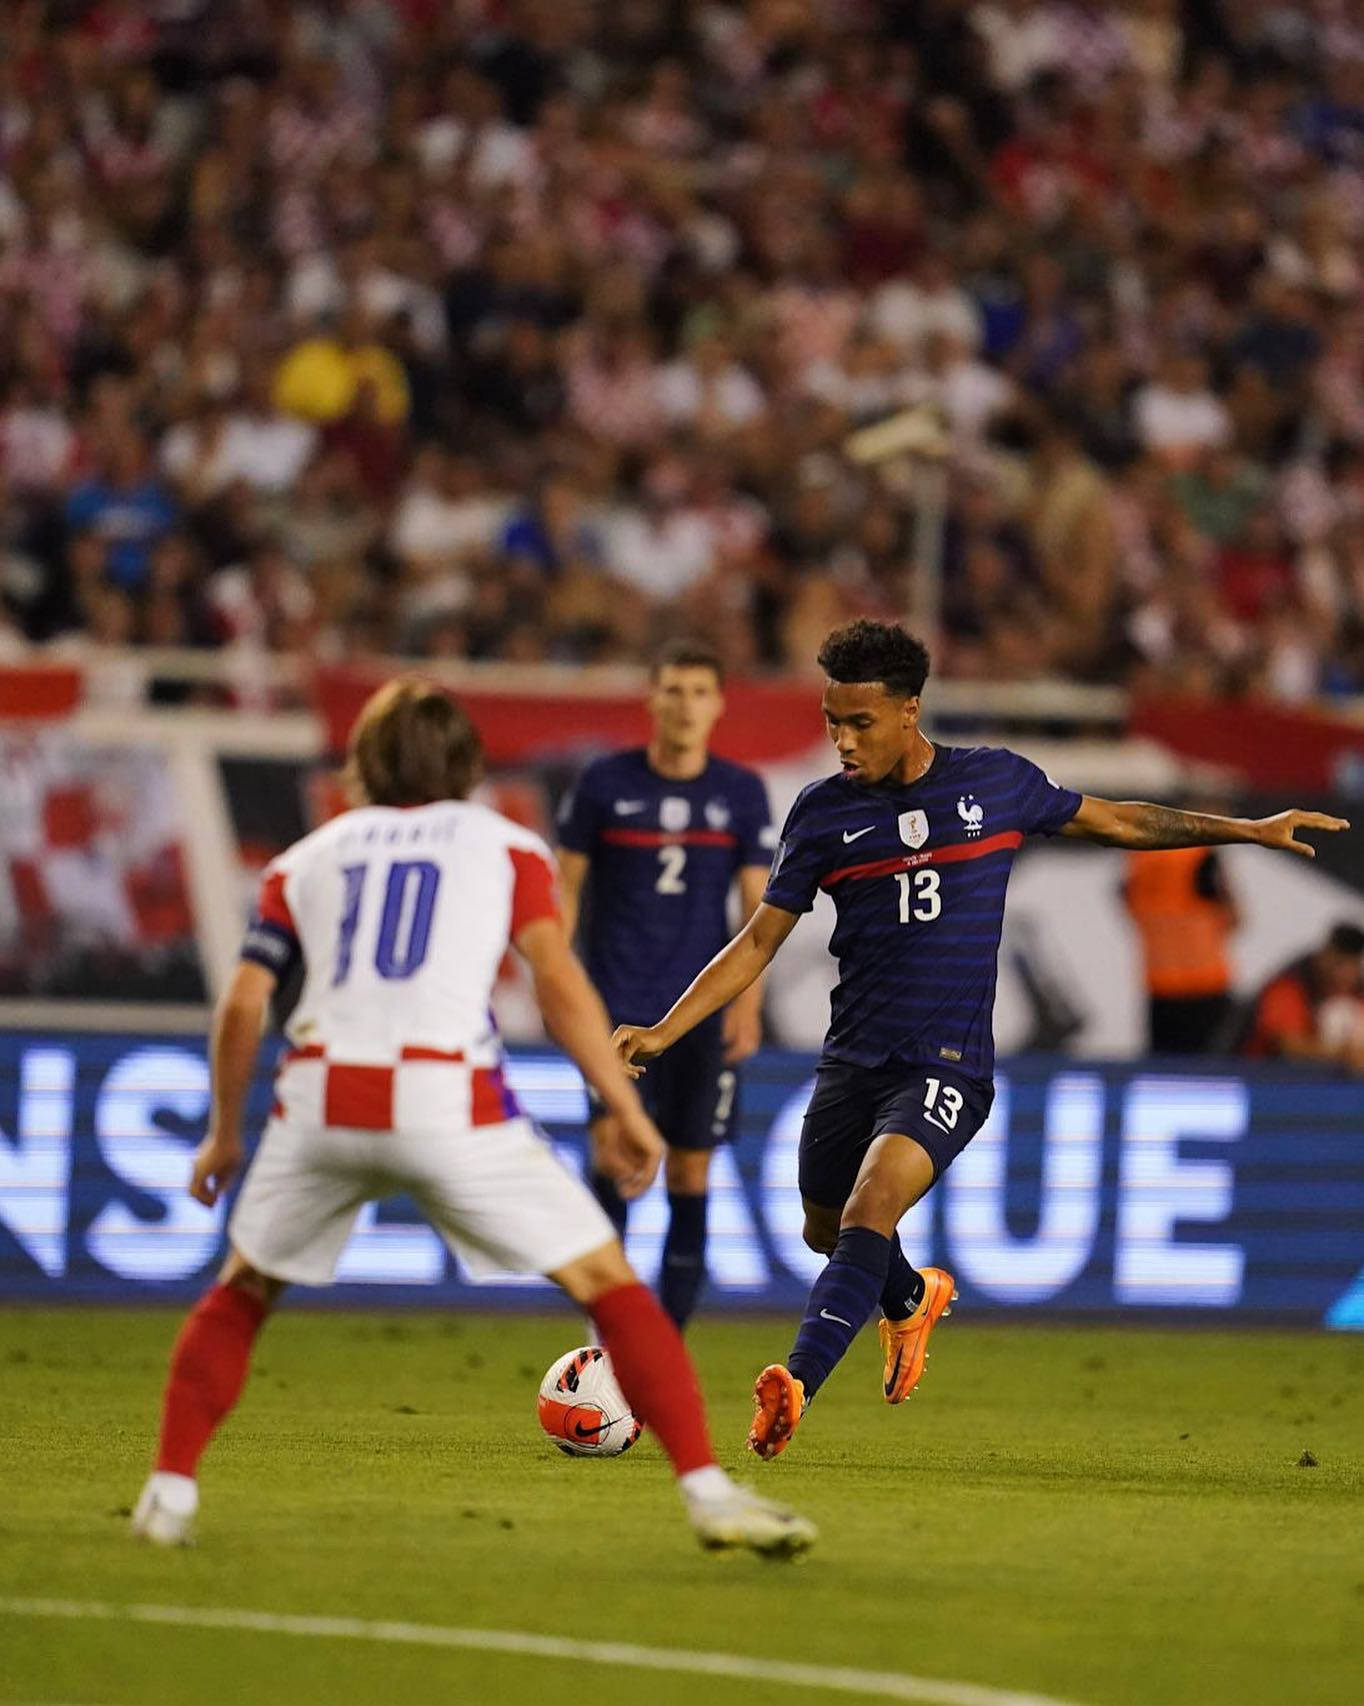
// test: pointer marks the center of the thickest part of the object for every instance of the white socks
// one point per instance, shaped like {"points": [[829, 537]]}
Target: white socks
{"points": [[178, 1494], [703, 1486]]}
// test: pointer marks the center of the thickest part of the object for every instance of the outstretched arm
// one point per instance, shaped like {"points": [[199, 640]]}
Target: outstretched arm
{"points": [[737, 965], [1145, 827]]}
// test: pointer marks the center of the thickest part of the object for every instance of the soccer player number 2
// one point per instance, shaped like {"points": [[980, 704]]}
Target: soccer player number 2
{"points": [[921, 888], [672, 861], [404, 924]]}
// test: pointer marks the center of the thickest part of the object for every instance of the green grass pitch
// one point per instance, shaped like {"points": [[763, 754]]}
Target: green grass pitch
{"points": [[1109, 1516]]}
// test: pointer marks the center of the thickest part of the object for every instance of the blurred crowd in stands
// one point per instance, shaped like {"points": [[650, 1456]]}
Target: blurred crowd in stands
{"points": [[533, 329]]}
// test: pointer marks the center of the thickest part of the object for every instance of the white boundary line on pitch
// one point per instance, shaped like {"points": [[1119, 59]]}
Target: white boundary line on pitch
{"points": [[836, 1679]]}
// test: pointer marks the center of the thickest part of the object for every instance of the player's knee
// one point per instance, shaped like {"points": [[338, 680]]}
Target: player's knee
{"points": [[687, 1171], [237, 1272], [820, 1232], [591, 1276]]}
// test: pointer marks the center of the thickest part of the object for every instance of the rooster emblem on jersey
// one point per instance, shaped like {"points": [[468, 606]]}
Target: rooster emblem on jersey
{"points": [[971, 814]]}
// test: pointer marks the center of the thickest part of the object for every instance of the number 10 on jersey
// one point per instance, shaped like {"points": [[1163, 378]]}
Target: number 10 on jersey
{"points": [[404, 924]]}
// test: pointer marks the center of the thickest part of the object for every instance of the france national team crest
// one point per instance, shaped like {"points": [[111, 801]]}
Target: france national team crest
{"points": [[913, 828], [674, 813], [970, 813], [717, 814]]}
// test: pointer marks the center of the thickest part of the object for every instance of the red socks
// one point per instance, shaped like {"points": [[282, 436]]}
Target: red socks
{"points": [[209, 1364], [207, 1372], [655, 1373]]}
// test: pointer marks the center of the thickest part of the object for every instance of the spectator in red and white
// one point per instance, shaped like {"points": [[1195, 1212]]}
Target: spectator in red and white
{"points": [[248, 440], [924, 302], [1177, 415], [613, 386], [705, 389], [1313, 1010], [265, 603], [447, 512], [971, 394], [663, 545], [37, 440]]}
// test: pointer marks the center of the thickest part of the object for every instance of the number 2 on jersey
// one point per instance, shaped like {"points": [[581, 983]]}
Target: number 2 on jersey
{"points": [[404, 924], [672, 861], [921, 887]]}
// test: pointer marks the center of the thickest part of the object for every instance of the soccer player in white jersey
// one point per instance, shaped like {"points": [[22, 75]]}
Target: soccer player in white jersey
{"points": [[400, 912]]}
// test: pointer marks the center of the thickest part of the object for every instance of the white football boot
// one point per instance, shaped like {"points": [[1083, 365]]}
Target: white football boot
{"points": [[739, 1518], [165, 1513]]}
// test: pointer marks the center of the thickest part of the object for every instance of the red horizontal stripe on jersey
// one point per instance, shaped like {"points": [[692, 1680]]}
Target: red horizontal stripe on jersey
{"points": [[935, 856], [672, 838], [414, 1051]]}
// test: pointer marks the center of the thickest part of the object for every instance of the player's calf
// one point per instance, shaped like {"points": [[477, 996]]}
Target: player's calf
{"points": [[207, 1372], [659, 1382], [841, 1299]]}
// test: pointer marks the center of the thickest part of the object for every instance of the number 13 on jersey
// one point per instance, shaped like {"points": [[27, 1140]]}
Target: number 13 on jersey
{"points": [[919, 896]]}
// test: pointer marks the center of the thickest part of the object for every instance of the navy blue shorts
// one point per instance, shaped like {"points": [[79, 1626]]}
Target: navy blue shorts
{"points": [[939, 1108], [689, 1092]]}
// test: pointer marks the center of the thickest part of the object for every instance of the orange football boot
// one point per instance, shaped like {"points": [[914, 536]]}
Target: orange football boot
{"points": [[905, 1343], [779, 1403]]}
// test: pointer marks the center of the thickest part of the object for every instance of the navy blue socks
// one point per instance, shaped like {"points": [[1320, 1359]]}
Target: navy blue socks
{"points": [[684, 1256], [904, 1288], [604, 1189], [841, 1299]]}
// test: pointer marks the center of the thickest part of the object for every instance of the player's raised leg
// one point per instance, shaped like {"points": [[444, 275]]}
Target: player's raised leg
{"points": [[660, 1384], [894, 1174], [208, 1370]]}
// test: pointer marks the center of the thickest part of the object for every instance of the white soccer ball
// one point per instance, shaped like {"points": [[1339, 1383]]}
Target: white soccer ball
{"points": [[581, 1407]]}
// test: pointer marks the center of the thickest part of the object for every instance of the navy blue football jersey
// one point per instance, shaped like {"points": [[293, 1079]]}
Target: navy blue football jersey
{"points": [[663, 857], [917, 875]]}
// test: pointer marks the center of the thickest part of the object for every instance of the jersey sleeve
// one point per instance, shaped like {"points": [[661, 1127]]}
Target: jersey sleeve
{"points": [[757, 834], [271, 938], [1043, 805], [580, 814], [535, 887], [798, 865]]}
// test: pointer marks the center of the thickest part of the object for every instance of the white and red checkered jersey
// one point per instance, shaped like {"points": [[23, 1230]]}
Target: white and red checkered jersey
{"points": [[401, 917]]}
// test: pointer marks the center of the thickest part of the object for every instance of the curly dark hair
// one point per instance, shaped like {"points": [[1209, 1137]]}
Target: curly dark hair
{"points": [[876, 651]]}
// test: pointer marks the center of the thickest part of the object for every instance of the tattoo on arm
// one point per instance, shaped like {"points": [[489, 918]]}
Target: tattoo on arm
{"points": [[1161, 826]]}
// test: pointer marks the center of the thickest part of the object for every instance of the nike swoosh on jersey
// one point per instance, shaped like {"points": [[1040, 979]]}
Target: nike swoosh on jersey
{"points": [[625, 807], [857, 834], [842, 1323]]}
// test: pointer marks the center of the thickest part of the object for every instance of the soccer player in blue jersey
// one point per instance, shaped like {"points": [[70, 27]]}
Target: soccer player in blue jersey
{"points": [[914, 842], [653, 840]]}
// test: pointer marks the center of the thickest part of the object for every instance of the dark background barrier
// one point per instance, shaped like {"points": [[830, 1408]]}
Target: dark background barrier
{"points": [[1092, 1188]]}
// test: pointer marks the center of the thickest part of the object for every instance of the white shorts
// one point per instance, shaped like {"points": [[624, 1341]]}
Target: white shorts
{"points": [[497, 1194]]}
